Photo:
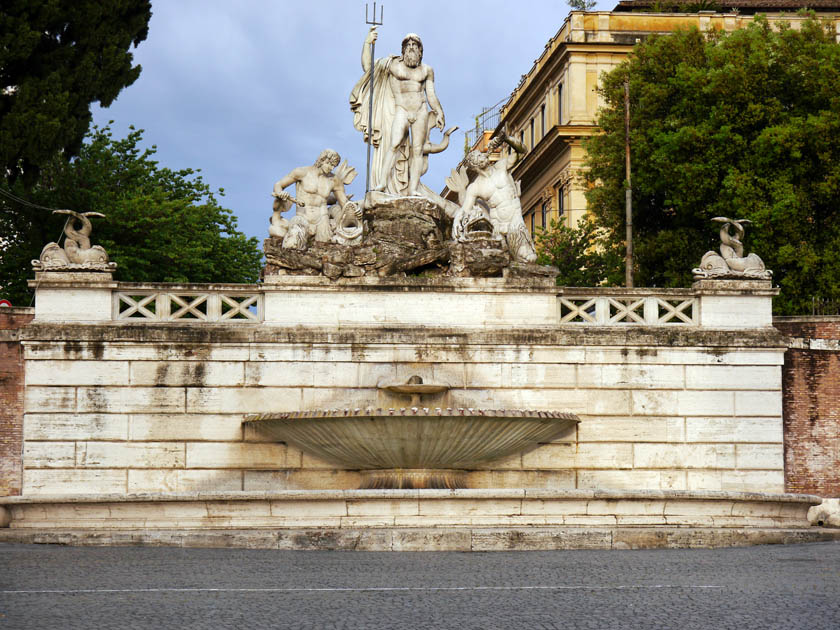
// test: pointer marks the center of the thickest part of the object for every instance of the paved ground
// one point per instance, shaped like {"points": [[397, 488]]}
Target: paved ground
{"points": [[790, 587]]}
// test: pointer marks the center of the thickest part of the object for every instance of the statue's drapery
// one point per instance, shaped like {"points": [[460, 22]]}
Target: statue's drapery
{"points": [[384, 108]]}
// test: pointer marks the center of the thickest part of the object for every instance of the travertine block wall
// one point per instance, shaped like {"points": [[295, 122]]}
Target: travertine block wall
{"points": [[122, 407]]}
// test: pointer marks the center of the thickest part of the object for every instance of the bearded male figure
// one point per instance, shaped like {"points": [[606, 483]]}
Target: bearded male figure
{"points": [[403, 88], [316, 187], [495, 188]]}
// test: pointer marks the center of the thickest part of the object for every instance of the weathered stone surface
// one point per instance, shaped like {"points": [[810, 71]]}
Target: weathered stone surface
{"points": [[480, 258], [333, 271], [528, 270], [278, 257], [826, 514], [410, 263], [402, 235], [410, 221]]}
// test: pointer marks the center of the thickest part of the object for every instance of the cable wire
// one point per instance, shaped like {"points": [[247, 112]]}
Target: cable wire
{"points": [[13, 197]]}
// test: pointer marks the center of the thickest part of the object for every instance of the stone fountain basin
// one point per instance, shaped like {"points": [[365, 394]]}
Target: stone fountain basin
{"points": [[413, 443]]}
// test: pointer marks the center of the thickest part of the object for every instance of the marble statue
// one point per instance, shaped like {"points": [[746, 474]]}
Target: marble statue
{"points": [[405, 110], [731, 262], [77, 253], [316, 188], [401, 226], [492, 196]]}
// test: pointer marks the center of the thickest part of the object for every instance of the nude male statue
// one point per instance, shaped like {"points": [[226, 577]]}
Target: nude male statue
{"points": [[401, 120], [494, 186], [315, 186]]}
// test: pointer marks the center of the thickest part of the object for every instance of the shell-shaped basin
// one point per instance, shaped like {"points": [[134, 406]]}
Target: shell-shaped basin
{"points": [[414, 438]]}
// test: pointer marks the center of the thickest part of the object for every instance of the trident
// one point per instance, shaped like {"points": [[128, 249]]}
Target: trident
{"points": [[372, 21]]}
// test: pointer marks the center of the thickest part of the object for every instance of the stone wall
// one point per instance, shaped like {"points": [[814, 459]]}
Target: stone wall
{"points": [[11, 398], [122, 407], [812, 405]]}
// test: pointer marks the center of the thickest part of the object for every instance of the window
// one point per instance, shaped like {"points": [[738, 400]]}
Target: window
{"points": [[531, 221], [542, 121], [546, 212], [532, 134], [559, 103], [561, 202], [522, 137]]}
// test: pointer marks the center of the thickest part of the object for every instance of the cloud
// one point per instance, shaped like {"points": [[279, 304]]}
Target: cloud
{"points": [[247, 91]]}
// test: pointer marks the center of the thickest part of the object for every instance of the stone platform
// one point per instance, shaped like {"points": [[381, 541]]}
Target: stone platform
{"points": [[417, 519]]}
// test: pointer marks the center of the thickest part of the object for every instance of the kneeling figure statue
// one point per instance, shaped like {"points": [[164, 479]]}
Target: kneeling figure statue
{"points": [[495, 188], [316, 188]]}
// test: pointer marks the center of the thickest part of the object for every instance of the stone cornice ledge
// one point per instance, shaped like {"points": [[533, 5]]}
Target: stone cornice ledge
{"points": [[762, 288], [362, 495], [535, 284], [257, 333]]}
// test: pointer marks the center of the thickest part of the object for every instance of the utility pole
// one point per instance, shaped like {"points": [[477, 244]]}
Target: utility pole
{"points": [[628, 192], [372, 21]]}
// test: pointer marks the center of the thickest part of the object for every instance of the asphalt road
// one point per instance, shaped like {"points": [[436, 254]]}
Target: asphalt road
{"points": [[764, 587]]}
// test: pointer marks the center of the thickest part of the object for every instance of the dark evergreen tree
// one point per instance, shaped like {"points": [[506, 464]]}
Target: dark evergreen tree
{"points": [[56, 58]]}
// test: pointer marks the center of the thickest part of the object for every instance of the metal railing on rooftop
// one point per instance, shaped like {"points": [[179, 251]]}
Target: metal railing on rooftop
{"points": [[488, 119]]}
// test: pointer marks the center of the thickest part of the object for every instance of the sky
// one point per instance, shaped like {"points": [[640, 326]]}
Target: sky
{"points": [[246, 91]]}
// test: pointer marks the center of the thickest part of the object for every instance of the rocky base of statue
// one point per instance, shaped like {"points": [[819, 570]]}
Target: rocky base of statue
{"points": [[402, 236]]}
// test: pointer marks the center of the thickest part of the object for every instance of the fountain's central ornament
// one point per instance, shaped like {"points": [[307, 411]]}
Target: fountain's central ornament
{"points": [[401, 226]]}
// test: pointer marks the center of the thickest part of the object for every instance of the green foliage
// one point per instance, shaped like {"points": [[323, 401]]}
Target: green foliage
{"points": [[581, 5], [583, 256], [743, 124], [674, 6], [56, 58], [160, 225]]}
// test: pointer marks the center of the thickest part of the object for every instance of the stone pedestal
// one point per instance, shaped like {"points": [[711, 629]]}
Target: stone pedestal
{"points": [[728, 303], [413, 301], [73, 296]]}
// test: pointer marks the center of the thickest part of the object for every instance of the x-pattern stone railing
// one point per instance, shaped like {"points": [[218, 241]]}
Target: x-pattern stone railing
{"points": [[245, 303], [642, 307], [189, 304]]}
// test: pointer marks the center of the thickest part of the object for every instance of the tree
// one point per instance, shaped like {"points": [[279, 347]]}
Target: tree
{"points": [[743, 124], [160, 225], [581, 5], [56, 58], [582, 255]]}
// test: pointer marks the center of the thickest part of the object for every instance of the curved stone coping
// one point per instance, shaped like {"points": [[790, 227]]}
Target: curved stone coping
{"points": [[412, 411], [469, 494]]}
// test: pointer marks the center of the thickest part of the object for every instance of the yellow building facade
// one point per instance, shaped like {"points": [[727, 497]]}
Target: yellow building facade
{"points": [[555, 105]]}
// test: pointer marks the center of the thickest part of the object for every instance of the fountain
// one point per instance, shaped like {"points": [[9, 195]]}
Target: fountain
{"points": [[414, 447], [403, 227], [135, 393]]}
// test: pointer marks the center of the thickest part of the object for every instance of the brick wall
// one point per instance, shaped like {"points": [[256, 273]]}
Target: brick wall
{"points": [[811, 386], [11, 398]]}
